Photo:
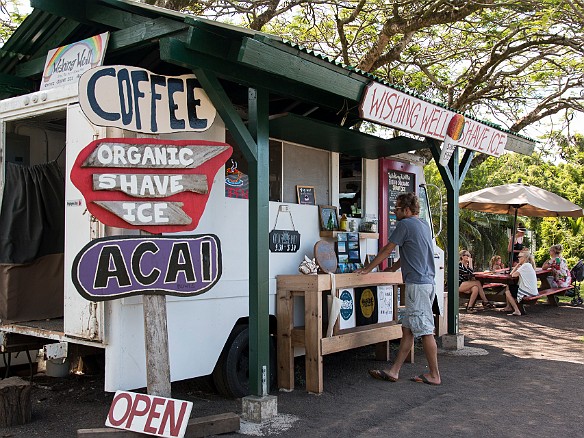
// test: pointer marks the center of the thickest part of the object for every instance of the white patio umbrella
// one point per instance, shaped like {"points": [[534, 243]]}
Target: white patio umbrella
{"points": [[519, 199]]}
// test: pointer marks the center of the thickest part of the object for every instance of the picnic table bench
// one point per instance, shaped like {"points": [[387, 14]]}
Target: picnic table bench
{"points": [[551, 294]]}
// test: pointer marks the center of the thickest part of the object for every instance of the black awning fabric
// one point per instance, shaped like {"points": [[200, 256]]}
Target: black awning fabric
{"points": [[32, 217]]}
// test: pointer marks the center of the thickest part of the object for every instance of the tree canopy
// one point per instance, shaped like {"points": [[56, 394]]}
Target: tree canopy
{"points": [[514, 62]]}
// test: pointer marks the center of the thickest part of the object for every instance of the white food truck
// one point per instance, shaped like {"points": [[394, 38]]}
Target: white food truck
{"points": [[49, 126], [318, 163]]}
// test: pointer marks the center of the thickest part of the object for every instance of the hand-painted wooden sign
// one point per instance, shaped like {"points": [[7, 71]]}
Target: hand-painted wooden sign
{"points": [[284, 241], [152, 415], [138, 100], [65, 65], [116, 267], [393, 108], [148, 184]]}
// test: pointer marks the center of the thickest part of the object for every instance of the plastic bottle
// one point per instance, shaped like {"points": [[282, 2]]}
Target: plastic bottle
{"points": [[344, 223]]}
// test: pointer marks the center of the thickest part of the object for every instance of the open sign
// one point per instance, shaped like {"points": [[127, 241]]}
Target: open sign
{"points": [[149, 414], [121, 266]]}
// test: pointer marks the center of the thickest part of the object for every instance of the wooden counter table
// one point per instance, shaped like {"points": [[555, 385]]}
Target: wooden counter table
{"points": [[312, 288]]}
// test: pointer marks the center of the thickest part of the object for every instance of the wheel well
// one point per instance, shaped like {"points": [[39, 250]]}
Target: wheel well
{"points": [[245, 321]]}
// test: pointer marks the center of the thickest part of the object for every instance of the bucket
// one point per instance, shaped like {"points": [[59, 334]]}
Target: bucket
{"points": [[57, 368]]}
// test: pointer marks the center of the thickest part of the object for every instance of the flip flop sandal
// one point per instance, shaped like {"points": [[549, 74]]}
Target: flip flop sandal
{"points": [[382, 375], [422, 379]]}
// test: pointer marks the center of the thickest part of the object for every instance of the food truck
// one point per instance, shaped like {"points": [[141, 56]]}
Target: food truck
{"points": [[321, 175]]}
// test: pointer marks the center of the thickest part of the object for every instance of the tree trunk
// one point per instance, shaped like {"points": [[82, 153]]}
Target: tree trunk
{"points": [[15, 404]]}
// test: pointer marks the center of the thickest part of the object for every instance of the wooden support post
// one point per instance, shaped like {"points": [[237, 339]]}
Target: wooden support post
{"points": [[156, 342], [15, 404]]}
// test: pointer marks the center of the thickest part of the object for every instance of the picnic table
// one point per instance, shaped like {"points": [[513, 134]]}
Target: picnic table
{"points": [[504, 277]]}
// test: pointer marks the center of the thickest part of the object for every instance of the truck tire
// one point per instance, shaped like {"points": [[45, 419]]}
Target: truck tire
{"points": [[231, 373]]}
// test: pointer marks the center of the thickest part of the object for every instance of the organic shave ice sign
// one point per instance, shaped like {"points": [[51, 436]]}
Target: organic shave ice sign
{"points": [[148, 184], [121, 266], [64, 65], [138, 100], [389, 107]]}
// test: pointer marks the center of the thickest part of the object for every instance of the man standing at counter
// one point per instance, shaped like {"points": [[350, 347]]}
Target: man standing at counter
{"points": [[416, 259]]}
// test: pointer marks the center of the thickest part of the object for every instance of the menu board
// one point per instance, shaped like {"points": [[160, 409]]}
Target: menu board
{"points": [[398, 182]]}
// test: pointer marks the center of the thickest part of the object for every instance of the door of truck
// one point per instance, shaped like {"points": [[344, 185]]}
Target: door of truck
{"points": [[82, 318]]}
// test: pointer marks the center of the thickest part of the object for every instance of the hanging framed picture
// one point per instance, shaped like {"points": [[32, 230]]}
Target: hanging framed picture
{"points": [[329, 220]]}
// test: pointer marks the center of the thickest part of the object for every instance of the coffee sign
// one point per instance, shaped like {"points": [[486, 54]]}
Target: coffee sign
{"points": [[148, 184], [138, 100]]}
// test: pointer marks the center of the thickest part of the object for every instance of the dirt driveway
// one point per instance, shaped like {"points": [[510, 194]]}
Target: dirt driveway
{"points": [[526, 377]]}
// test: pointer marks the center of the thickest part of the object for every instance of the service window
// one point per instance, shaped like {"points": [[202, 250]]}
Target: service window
{"points": [[350, 181], [305, 166]]}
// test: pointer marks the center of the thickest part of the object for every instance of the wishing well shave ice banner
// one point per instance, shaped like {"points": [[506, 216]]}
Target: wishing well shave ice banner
{"points": [[393, 108], [64, 65]]}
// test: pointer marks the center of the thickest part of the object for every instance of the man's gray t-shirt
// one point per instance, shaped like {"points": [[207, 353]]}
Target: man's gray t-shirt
{"points": [[416, 251]]}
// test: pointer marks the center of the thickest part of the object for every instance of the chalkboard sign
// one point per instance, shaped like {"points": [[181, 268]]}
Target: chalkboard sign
{"points": [[306, 195], [398, 183], [284, 241]]}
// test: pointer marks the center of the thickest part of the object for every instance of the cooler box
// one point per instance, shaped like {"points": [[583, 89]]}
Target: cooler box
{"points": [[366, 305]]}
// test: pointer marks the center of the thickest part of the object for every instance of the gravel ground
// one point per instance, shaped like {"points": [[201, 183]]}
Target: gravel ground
{"points": [[518, 376]]}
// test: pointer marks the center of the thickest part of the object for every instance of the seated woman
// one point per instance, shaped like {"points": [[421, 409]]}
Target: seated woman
{"points": [[527, 286], [496, 264], [467, 283], [560, 272]]}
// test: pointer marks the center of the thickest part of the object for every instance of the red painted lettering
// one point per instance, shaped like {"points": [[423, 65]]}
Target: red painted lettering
{"points": [[117, 398], [376, 105], [169, 414], [156, 401], [389, 106], [138, 412]]}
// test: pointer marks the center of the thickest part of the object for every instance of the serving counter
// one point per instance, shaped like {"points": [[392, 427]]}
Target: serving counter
{"points": [[310, 336]]}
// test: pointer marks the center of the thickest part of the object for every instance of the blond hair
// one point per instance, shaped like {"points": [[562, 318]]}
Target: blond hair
{"points": [[557, 249], [527, 254]]}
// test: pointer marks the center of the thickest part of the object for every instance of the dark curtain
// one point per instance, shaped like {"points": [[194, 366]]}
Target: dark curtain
{"points": [[32, 218]]}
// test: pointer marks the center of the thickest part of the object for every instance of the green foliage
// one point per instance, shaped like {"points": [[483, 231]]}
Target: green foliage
{"points": [[10, 18]]}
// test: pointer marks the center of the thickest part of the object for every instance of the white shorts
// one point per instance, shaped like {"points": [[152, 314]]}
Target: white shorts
{"points": [[418, 315]]}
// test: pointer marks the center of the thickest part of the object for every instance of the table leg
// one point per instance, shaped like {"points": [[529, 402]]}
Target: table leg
{"points": [[285, 316], [312, 337]]}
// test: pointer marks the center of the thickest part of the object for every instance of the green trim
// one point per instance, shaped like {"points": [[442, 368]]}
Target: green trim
{"points": [[310, 132], [232, 121], [259, 248], [176, 52], [278, 62]]}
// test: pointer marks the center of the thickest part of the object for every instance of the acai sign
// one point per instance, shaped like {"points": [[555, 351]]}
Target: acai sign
{"points": [[138, 100], [121, 266]]}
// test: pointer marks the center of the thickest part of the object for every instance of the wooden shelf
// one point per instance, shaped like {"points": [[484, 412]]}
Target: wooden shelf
{"points": [[362, 235], [312, 336]]}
